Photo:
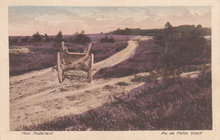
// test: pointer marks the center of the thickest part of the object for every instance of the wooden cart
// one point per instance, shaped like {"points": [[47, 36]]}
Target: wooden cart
{"points": [[74, 61]]}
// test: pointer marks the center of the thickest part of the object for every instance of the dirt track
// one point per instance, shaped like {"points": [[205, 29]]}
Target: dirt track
{"points": [[120, 56], [38, 96]]}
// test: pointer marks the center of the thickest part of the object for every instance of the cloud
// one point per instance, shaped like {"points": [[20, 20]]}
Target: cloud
{"points": [[52, 19], [49, 19]]}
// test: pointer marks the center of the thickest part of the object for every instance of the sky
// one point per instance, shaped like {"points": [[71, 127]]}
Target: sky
{"points": [[27, 20]]}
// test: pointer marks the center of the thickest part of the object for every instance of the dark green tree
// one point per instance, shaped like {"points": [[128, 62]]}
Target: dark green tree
{"points": [[81, 38], [46, 38], [127, 31], [199, 27], [168, 25], [59, 37], [36, 37], [178, 50]]}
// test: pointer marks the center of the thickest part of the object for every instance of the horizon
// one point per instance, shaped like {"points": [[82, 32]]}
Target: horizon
{"points": [[94, 33], [27, 20]]}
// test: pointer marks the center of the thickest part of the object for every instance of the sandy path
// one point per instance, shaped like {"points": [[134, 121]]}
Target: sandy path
{"points": [[120, 56], [38, 96]]}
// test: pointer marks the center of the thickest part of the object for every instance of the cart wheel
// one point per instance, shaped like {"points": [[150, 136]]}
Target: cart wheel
{"points": [[59, 68], [90, 67]]}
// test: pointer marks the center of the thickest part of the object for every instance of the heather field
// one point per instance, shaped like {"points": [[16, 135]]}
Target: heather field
{"points": [[158, 82], [147, 58], [166, 104], [38, 57], [43, 54]]}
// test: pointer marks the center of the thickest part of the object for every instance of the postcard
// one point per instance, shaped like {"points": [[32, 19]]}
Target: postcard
{"points": [[110, 70]]}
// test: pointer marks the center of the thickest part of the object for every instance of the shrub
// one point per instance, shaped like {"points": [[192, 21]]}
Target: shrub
{"points": [[59, 37], [180, 48], [81, 38], [122, 84], [47, 38], [37, 37], [13, 41], [121, 47], [108, 40], [144, 78], [125, 31], [25, 39]]}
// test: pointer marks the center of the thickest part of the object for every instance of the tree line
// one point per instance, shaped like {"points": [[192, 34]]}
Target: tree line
{"points": [[156, 32], [80, 38]]}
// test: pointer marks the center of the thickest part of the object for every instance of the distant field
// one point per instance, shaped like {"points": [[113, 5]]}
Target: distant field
{"points": [[36, 56]]}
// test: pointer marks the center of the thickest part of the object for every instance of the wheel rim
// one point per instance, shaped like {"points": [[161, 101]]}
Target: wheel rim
{"points": [[91, 67], [59, 68], [91, 61]]}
